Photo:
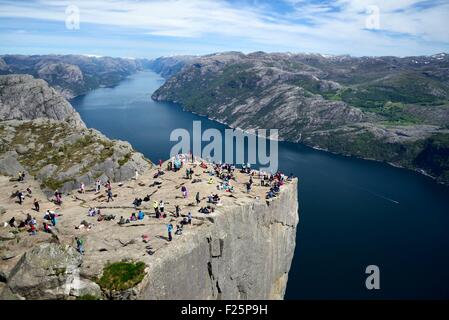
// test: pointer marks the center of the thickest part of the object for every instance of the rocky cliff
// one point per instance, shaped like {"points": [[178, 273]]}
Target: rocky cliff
{"points": [[24, 98], [382, 108], [43, 135], [242, 250]]}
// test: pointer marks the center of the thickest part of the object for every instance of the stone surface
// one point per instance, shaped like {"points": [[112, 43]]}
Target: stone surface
{"points": [[24, 98], [44, 271]]}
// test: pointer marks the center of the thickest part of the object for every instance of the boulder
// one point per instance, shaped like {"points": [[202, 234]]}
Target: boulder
{"points": [[45, 272]]}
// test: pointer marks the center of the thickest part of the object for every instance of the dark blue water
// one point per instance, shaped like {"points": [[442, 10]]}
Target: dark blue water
{"points": [[353, 213]]}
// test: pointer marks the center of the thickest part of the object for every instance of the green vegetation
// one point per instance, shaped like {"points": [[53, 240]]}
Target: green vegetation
{"points": [[43, 136], [122, 275], [434, 157], [125, 159]]}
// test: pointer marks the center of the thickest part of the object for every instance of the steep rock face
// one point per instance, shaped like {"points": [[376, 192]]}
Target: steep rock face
{"points": [[245, 253], [41, 133], [24, 98]]}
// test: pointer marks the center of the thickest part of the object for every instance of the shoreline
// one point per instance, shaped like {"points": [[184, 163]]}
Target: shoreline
{"points": [[395, 165]]}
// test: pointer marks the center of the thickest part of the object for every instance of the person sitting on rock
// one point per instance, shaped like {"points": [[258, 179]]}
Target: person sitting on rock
{"points": [[28, 219], [47, 228], [133, 217], [122, 221], [140, 215], [178, 229], [146, 198], [33, 230], [47, 215], [12, 222], [189, 218], [79, 245]]}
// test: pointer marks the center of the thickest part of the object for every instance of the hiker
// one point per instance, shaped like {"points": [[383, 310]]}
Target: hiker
{"points": [[82, 190], [53, 219], [248, 187], [140, 215], [79, 245], [98, 185], [136, 174], [160, 164], [20, 197], [155, 206], [161, 206], [184, 191], [170, 230], [19, 176], [28, 219], [110, 195], [29, 192], [177, 210], [197, 198], [36, 205]]}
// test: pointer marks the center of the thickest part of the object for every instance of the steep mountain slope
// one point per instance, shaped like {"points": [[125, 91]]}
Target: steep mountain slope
{"points": [[42, 134], [383, 108], [72, 75]]}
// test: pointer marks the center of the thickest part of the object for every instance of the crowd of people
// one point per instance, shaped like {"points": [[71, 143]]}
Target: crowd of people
{"points": [[223, 175]]}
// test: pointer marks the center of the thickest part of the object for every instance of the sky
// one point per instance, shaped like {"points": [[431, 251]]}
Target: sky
{"points": [[153, 28]]}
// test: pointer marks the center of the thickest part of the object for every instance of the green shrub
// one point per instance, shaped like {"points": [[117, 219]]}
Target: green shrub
{"points": [[122, 275]]}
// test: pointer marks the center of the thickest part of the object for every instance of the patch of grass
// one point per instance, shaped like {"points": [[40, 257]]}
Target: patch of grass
{"points": [[121, 275], [125, 159]]}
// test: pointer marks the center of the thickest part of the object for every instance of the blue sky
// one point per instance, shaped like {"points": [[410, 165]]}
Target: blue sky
{"points": [[152, 28]]}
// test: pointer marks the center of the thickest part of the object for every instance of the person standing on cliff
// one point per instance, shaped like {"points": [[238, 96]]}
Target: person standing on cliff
{"points": [[170, 230], [36, 205], [197, 198], [98, 184], [110, 195]]}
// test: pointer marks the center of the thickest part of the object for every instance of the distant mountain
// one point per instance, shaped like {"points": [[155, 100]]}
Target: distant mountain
{"points": [[168, 66], [72, 75], [385, 108]]}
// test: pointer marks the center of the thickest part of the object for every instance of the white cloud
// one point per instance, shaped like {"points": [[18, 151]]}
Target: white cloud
{"points": [[328, 27]]}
